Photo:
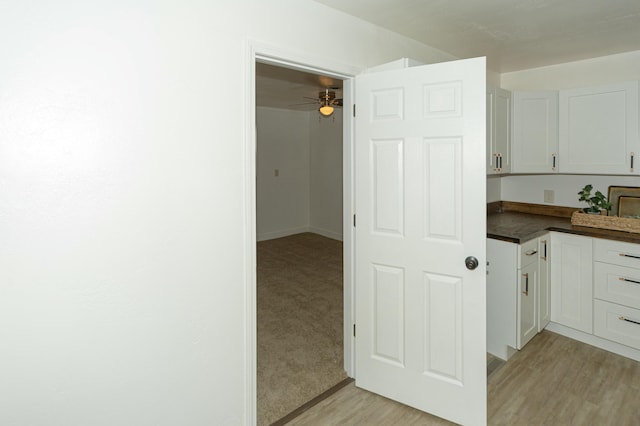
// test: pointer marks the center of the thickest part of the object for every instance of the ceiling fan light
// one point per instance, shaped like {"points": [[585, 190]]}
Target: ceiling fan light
{"points": [[326, 110]]}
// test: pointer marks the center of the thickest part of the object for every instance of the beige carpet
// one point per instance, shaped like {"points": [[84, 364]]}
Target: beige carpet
{"points": [[300, 349]]}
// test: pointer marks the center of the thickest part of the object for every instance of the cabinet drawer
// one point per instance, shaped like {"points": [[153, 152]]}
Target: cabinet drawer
{"points": [[617, 284], [618, 323], [529, 252], [616, 252]]}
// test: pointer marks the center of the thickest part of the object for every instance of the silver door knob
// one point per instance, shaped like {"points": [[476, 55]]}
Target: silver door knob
{"points": [[471, 263]]}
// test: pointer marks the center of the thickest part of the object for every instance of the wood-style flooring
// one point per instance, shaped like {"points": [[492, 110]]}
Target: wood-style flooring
{"points": [[554, 380]]}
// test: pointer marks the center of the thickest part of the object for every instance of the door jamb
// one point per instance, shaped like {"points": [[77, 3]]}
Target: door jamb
{"points": [[259, 52]]}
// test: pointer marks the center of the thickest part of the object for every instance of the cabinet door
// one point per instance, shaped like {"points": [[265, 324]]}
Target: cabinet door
{"points": [[572, 281], [527, 306], [599, 129], [498, 130], [535, 132], [502, 270], [543, 293]]}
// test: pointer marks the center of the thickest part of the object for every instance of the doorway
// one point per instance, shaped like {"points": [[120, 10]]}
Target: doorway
{"points": [[299, 238]]}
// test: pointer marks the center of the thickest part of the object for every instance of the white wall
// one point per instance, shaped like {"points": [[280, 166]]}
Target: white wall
{"points": [[589, 72], [283, 144], [306, 196], [530, 189], [597, 71], [326, 174], [123, 210]]}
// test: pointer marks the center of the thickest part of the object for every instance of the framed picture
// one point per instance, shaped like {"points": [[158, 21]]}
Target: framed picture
{"points": [[630, 202]]}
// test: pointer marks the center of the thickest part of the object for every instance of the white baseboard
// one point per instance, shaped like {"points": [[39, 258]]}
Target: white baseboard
{"points": [[326, 233], [286, 232], [282, 233], [596, 341]]}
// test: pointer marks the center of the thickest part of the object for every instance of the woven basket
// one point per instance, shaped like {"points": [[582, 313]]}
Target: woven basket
{"points": [[605, 222]]}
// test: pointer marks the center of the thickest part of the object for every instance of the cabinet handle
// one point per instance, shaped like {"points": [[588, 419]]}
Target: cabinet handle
{"points": [[501, 162], [632, 155], [530, 252], [628, 280], [544, 257], [526, 284], [553, 167], [628, 255], [628, 320]]}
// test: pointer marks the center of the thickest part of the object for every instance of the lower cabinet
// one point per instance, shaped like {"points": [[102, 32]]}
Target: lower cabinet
{"points": [[616, 282], [571, 281], [527, 316], [544, 282], [517, 290], [596, 290]]}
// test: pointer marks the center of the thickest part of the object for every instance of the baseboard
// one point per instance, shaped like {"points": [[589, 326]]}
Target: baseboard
{"points": [[596, 341], [282, 233], [326, 233], [292, 231]]}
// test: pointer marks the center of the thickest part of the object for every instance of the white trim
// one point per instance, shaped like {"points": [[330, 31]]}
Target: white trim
{"points": [[260, 52], [596, 341]]}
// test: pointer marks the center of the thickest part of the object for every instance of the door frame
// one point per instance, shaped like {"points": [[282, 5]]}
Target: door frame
{"points": [[259, 52]]}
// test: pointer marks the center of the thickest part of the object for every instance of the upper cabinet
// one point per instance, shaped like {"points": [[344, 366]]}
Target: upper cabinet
{"points": [[535, 132], [599, 129], [498, 130]]}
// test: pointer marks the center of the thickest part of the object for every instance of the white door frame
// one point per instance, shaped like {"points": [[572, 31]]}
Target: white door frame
{"points": [[259, 52]]}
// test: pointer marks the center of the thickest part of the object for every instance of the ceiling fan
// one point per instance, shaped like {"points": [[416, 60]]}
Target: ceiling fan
{"points": [[327, 101]]}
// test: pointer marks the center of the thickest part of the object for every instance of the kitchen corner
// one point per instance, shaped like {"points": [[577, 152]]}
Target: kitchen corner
{"points": [[536, 257]]}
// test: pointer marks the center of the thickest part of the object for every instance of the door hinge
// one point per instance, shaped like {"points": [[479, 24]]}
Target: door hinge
{"points": [[354, 220], [354, 110], [354, 330]]}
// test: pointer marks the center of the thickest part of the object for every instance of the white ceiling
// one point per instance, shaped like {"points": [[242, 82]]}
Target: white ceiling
{"points": [[513, 34], [279, 87]]}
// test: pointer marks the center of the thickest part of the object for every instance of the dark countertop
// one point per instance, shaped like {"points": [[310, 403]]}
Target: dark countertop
{"points": [[519, 227]]}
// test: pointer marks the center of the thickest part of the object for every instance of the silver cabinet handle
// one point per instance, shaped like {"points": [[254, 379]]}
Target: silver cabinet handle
{"points": [[530, 252], [544, 257], [628, 320], [628, 280], [526, 284], [628, 255]]}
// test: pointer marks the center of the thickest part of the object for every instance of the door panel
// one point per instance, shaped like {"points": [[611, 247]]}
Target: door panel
{"points": [[420, 201]]}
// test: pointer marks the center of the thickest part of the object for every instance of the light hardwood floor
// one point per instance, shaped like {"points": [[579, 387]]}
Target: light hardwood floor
{"points": [[554, 380]]}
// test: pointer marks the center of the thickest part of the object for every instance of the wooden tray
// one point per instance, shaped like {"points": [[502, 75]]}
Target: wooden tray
{"points": [[605, 222]]}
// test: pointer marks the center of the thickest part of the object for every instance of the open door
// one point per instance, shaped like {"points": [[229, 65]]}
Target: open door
{"points": [[420, 237]]}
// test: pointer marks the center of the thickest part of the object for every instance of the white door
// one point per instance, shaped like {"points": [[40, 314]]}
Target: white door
{"points": [[420, 204]]}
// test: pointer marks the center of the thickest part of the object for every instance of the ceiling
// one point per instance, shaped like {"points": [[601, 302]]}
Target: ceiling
{"points": [[279, 87], [513, 34]]}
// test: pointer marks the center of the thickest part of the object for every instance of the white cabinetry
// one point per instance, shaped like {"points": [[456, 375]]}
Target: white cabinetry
{"points": [[535, 132], [502, 283], [498, 130], [544, 288], [617, 292], [527, 317], [514, 295], [599, 129], [571, 281]]}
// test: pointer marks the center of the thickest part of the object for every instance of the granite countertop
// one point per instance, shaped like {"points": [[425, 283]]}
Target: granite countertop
{"points": [[519, 227]]}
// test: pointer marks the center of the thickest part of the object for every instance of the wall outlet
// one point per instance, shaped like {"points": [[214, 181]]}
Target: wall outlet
{"points": [[549, 196]]}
